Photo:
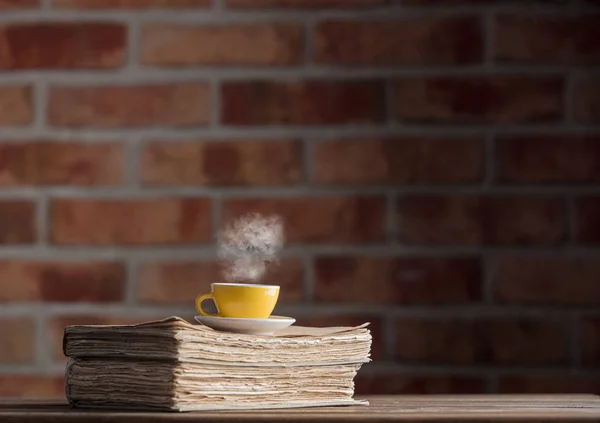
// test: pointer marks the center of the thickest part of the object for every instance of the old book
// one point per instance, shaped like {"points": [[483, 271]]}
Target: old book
{"points": [[173, 365]]}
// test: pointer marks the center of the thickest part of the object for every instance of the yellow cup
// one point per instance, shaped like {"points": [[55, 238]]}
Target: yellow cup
{"points": [[240, 300]]}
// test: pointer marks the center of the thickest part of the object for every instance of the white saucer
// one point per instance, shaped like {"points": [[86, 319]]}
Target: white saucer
{"points": [[248, 326]]}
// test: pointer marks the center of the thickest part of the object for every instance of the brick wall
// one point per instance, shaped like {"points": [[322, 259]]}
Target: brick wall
{"points": [[436, 163]]}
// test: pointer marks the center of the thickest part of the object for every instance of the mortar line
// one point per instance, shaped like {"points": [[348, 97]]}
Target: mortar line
{"points": [[207, 251], [309, 280], [215, 103], [139, 75], [475, 370], [377, 368], [309, 28], [133, 44], [391, 226], [395, 368], [131, 281], [132, 163], [488, 271], [487, 263], [589, 7], [576, 351], [389, 337], [308, 162], [568, 97], [203, 14], [570, 219], [489, 39], [489, 159], [389, 103], [576, 6], [310, 192], [273, 132], [42, 218], [20, 369], [217, 214], [40, 100], [218, 6], [422, 311], [42, 350]]}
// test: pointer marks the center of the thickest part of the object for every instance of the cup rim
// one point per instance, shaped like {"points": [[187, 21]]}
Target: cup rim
{"points": [[253, 285]]}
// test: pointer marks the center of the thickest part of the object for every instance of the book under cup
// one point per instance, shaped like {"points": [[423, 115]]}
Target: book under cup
{"points": [[175, 365]]}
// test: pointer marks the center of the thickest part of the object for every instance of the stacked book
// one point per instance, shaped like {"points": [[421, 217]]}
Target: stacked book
{"points": [[173, 365]]}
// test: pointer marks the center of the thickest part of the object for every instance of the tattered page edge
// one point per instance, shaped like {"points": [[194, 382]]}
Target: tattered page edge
{"points": [[294, 331], [311, 404], [185, 409], [175, 359], [173, 322]]}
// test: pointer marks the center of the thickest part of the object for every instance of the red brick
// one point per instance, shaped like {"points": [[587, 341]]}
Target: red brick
{"points": [[130, 4], [181, 104], [17, 222], [18, 340], [551, 158], [399, 42], [477, 220], [16, 105], [63, 45], [301, 4], [587, 220], [397, 280], [32, 386], [62, 281], [222, 163], [560, 384], [392, 383], [231, 44], [481, 341], [18, 4], [493, 99], [302, 102], [180, 282], [587, 100], [547, 39], [61, 163], [131, 222], [55, 327], [335, 320], [590, 341], [553, 281], [398, 161], [333, 219]]}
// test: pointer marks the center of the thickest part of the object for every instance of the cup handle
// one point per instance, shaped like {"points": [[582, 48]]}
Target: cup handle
{"points": [[199, 301]]}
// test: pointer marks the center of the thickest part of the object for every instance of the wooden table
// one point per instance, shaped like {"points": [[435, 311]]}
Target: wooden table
{"points": [[454, 408]]}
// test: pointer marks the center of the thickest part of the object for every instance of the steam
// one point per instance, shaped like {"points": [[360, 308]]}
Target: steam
{"points": [[249, 245]]}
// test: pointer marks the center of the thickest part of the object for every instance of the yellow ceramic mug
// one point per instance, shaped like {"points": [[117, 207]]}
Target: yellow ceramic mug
{"points": [[241, 300]]}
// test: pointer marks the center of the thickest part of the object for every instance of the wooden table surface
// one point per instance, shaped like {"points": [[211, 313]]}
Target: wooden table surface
{"points": [[426, 408]]}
